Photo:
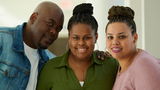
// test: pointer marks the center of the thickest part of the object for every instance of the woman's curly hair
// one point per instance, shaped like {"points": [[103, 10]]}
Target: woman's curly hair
{"points": [[122, 14], [82, 13]]}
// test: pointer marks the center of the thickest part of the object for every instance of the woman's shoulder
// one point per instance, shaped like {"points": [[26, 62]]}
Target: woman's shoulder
{"points": [[145, 57], [111, 60], [145, 62], [107, 60], [145, 70], [56, 61]]}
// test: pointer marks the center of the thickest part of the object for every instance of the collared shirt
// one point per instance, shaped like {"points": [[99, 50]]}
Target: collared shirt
{"points": [[57, 75], [14, 64]]}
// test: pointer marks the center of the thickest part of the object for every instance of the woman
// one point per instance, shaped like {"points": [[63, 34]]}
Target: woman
{"points": [[138, 69], [79, 68]]}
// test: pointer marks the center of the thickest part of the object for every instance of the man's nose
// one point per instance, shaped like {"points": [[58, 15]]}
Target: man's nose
{"points": [[53, 31]]}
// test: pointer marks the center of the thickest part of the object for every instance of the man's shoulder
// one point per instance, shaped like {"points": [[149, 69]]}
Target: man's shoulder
{"points": [[6, 35], [8, 30], [49, 54], [12, 29]]}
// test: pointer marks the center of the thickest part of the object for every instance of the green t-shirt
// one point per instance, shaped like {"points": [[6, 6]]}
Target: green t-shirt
{"points": [[57, 75]]}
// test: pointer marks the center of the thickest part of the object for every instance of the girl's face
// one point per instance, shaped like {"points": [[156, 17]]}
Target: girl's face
{"points": [[82, 39], [120, 42]]}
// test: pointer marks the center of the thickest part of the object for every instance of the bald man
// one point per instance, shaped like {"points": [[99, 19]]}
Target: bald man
{"points": [[22, 48]]}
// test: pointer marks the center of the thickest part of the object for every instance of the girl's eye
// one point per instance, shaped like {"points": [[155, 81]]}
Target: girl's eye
{"points": [[122, 37], [87, 38], [110, 37], [75, 37]]}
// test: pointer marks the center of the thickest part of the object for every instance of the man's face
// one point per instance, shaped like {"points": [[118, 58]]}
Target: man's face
{"points": [[46, 28]]}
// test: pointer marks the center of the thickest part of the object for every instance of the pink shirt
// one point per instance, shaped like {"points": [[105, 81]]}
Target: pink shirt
{"points": [[142, 74]]}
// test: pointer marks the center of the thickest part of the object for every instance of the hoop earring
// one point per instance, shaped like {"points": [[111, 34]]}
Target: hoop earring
{"points": [[96, 44], [67, 46]]}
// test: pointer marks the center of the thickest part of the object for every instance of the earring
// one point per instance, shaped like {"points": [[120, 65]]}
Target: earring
{"points": [[67, 46]]}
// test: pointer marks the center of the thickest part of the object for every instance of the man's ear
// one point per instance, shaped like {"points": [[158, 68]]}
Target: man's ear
{"points": [[33, 17]]}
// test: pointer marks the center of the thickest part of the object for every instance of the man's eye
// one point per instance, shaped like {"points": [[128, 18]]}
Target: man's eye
{"points": [[50, 23], [59, 29], [122, 37], [110, 37]]}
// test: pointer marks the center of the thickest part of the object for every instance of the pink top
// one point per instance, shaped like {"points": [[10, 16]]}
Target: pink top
{"points": [[142, 74]]}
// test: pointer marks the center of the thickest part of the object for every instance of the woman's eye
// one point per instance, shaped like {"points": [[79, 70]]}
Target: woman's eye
{"points": [[122, 37], [110, 37], [87, 38]]}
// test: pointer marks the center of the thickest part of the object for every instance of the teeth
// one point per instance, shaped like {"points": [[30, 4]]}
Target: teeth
{"points": [[116, 49], [81, 49]]}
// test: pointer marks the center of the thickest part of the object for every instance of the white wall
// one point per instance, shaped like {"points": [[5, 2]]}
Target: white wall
{"points": [[147, 17]]}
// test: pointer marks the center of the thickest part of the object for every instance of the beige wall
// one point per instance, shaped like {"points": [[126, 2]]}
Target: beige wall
{"points": [[152, 26], [136, 5]]}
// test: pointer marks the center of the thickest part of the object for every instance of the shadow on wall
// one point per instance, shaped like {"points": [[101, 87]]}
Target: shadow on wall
{"points": [[59, 46]]}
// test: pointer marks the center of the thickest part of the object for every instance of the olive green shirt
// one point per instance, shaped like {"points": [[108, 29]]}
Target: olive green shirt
{"points": [[57, 75]]}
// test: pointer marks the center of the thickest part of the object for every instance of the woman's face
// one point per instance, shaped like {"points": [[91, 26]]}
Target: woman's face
{"points": [[82, 39], [119, 40]]}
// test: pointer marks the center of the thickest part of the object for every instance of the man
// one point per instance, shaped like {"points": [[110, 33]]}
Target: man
{"points": [[22, 53]]}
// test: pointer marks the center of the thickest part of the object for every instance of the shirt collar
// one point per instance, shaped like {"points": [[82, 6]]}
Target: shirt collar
{"points": [[18, 38], [95, 60], [64, 62]]}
